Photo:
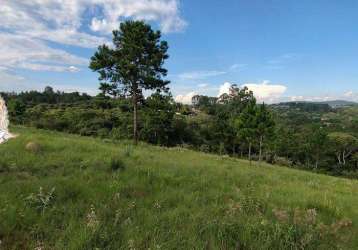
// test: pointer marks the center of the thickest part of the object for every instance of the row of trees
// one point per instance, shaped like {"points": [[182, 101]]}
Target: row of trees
{"points": [[233, 125]]}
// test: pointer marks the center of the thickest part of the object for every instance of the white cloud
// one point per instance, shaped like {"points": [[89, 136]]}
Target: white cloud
{"points": [[199, 75], [63, 20], [185, 99], [166, 12], [203, 85], [266, 92], [28, 27], [10, 81], [349, 94], [297, 98], [73, 69], [224, 88], [237, 67], [18, 51]]}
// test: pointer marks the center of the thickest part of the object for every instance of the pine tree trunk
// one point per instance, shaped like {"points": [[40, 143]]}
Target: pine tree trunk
{"points": [[250, 152], [260, 152], [135, 116]]}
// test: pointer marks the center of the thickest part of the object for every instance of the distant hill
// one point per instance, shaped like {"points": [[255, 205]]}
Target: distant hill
{"points": [[339, 103], [332, 104]]}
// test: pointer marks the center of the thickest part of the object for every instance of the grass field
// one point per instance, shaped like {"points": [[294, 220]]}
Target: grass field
{"points": [[70, 192]]}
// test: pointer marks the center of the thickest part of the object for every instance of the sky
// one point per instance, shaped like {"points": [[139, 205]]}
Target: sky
{"points": [[283, 50]]}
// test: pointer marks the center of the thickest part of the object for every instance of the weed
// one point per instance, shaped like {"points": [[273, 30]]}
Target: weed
{"points": [[117, 164], [42, 200]]}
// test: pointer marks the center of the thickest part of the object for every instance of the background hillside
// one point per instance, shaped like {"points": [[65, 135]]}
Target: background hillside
{"points": [[311, 136], [68, 192]]}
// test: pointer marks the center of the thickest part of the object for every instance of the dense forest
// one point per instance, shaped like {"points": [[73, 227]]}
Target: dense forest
{"points": [[303, 135]]}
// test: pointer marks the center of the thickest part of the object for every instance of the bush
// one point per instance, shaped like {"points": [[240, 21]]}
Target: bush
{"points": [[117, 164], [204, 148], [4, 166], [33, 147], [283, 161]]}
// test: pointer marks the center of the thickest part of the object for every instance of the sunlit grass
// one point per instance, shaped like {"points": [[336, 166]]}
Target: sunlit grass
{"points": [[85, 193]]}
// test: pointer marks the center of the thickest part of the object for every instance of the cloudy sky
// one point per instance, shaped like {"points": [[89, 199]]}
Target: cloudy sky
{"points": [[280, 49]]}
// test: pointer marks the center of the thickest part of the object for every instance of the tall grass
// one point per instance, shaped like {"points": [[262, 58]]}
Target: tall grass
{"points": [[83, 193]]}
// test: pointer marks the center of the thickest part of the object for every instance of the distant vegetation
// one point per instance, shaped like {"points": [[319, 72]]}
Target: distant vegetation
{"points": [[305, 135]]}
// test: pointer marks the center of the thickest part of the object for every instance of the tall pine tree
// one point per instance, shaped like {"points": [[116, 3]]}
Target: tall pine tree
{"points": [[133, 64]]}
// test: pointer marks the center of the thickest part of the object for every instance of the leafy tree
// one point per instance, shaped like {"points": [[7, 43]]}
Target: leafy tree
{"points": [[48, 90], [230, 106], [16, 110], [159, 114], [237, 99], [344, 145], [134, 63]]}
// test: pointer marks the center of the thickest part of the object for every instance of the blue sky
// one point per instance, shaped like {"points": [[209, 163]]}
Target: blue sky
{"points": [[281, 49]]}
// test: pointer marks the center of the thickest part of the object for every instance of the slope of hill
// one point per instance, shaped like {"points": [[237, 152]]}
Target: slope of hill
{"points": [[332, 104], [68, 192], [340, 103]]}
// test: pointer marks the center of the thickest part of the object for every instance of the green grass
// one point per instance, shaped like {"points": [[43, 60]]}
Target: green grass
{"points": [[98, 194]]}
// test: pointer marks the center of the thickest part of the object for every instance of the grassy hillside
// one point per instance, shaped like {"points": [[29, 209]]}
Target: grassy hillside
{"points": [[69, 192]]}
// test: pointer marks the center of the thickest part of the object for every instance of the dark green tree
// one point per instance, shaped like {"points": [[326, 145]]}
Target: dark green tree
{"points": [[135, 63], [246, 126], [16, 110], [158, 115], [317, 143]]}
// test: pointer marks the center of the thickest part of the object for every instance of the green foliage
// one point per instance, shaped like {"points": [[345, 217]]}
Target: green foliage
{"points": [[344, 145], [134, 63], [158, 122], [117, 164], [298, 133], [42, 200]]}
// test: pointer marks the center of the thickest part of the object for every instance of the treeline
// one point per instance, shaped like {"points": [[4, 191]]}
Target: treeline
{"points": [[234, 124]]}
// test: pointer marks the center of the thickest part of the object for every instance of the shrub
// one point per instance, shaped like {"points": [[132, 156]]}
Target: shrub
{"points": [[283, 161], [42, 200], [117, 164], [33, 147], [4, 166], [204, 148]]}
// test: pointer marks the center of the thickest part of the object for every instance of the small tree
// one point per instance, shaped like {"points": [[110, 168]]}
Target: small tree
{"points": [[265, 126], [134, 63], [246, 125], [344, 145]]}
